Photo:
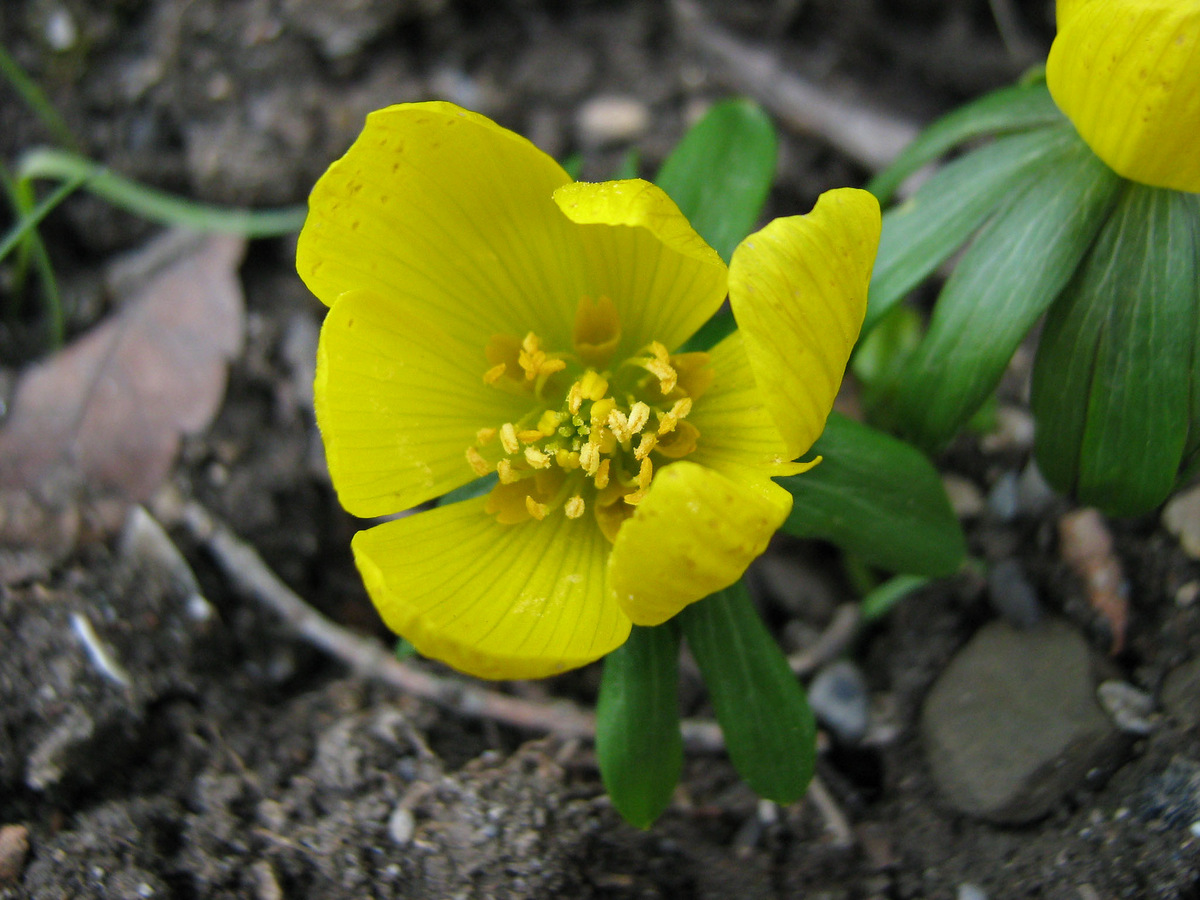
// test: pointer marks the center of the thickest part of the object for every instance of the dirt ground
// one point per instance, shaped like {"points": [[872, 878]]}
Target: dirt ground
{"points": [[164, 734]]}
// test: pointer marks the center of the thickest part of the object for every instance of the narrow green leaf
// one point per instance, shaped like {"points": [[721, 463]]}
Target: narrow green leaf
{"points": [[37, 102], [638, 744], [1016, 108], [1191, 453], [721, 171], [33, 217], [922, 233], [876, 497], [156, 205], [1013, 270], [769, 729], [882, 599], [470, 490], [1111, 383]]}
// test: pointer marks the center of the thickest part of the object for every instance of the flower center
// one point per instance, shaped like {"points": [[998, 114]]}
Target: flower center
{"points": [[595, 431]]}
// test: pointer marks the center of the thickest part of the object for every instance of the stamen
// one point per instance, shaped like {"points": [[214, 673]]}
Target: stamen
{"points": [[619, 423], [645, 445], [681, 408], [639, 415], [589, 458], [644, 476], [549, 422], [667, 422], [530, 435], [508, 475], [593, 386], [537, 458], [508, 438], [574, 507], [537, 510], [575, 398], [477, 462], [484, 436], [492, 375], [567, 459], [601, 479]]}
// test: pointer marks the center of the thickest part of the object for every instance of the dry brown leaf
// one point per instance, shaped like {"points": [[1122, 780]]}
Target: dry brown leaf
{"points": [[108, 411], [1086, 546]]}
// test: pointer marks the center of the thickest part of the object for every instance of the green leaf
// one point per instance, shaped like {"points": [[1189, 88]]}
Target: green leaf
{"points": [[721, 171], [876, 497], [1018, 263], [1191, 453], [1009, 109], [470, 490], [769, 729], [922, 233], [638, 744], [1112, 379]]}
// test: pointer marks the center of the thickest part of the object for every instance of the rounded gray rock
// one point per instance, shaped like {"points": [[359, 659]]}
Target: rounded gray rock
{"points": [[1012, 724]]}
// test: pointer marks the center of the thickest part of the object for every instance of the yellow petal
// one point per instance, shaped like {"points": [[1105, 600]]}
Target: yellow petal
{"points": [[449, 213], [798, 289], [492, 600], [695, 532], [1127, 74], [642, 252], [398, 402], [736, 428]]}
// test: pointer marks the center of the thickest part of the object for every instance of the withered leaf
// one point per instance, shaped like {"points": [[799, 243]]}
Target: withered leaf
{"points": [[107, 412]]}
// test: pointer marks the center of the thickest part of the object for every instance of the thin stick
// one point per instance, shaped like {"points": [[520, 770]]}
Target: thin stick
{"points": [[869, 137], [369, 659]]}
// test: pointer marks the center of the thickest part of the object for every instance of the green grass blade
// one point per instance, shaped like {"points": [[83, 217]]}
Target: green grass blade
{"points": [[761, 707], [29, 221], [638, 743], [156, 205], [41, 107]]}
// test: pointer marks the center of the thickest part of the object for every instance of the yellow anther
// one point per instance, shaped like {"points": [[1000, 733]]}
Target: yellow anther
{"points": [[589, 458], [531, 343], [550, 366], [529, 435], [477, 462], [681, 408], [485, 436], [645, 474], [667, 422], [492, 375], [508, 438], [639, 415], [645, 445], [605, 440], [619, 423], [574, 507], [601, 409], [549, 422], [602, 474], [508, 475], [665, 373], [593, 386], [660, 352], [537, 458], [567, 459], [575, 398], [537, 510]]}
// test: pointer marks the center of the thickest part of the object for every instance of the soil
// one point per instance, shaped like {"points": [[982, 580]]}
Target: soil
{"points": [[223, 757]]}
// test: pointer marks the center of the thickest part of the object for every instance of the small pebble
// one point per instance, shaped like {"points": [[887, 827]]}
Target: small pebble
{"points": [[1181, 517], [1002, 499], [1012, 595], [968, 891], [838, 696], [612, 120], [1034, 494], [1187, 594], [965, 499], [61, 31], [14, 848], [1132, 710], [1014, 431], [401, 825]]}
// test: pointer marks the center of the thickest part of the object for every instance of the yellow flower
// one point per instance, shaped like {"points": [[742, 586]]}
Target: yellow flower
{"points": [[1127, 74], [487, 314]]}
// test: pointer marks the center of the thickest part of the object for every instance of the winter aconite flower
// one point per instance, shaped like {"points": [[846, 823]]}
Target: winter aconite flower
{"points": [[1127, 74], [489, 315]]}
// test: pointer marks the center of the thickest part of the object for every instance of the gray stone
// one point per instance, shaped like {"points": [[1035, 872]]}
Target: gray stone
{"points": [[1013, 724], [1181, 693], [838, 696], [1012, 594], [1131, 709]]}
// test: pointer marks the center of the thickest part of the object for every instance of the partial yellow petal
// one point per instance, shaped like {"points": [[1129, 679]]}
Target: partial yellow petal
{"points": [[452, 215], [644, 254], [1127, 74], [798, 289], [737, 430], [695, 532], [492, 600], [398, 402]]}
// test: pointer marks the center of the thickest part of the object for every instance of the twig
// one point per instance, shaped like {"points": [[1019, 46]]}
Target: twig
{"points": [[831, 642], [835, 819], [869, 137], [368, 659]]}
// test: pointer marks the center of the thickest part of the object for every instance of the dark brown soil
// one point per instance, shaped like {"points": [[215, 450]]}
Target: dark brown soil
{"points": [[236, 761]]}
